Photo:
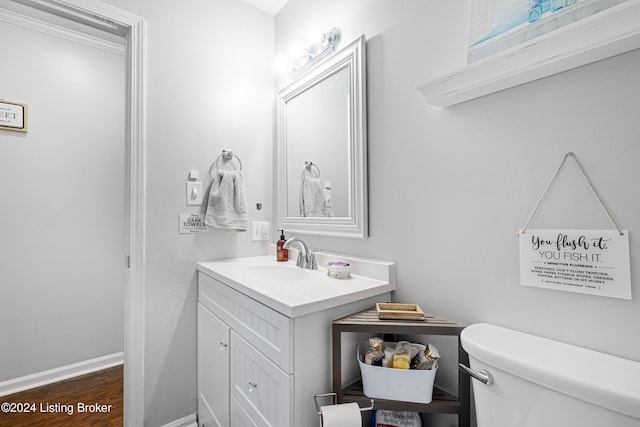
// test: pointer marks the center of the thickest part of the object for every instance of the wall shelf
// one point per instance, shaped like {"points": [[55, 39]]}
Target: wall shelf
{"points": [[608, 33]]}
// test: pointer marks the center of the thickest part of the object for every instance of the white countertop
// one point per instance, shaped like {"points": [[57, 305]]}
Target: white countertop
{"points": [[298, 292]]}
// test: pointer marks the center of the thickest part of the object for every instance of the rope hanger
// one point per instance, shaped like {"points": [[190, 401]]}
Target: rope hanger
{"points": [[553, 178]]}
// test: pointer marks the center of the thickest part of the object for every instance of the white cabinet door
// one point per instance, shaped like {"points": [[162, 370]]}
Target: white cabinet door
{"points": [[213, 370], [264, 390]]}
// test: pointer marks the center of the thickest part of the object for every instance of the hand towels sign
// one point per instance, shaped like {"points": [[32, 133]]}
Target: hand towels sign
{"points": [[191, 224], [586, 261]]}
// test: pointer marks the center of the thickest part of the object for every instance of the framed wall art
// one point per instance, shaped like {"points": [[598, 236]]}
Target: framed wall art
{"points": [[506, 49], [13, 116], [497, 25]]}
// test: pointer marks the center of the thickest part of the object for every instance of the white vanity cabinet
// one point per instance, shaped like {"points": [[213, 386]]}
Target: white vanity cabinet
{"points": [[258, 366], [235, 335]]}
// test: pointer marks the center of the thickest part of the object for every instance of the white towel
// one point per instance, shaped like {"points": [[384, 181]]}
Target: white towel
{"points": [[227, 206], [312, 201]]}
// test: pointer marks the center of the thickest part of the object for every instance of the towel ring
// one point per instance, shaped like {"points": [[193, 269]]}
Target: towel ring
{"points": [[226, 156], [308, 165]]}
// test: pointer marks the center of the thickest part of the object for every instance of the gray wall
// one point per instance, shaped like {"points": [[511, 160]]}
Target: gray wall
{"points": [[61, 204], [470, 175], [209, 88]]}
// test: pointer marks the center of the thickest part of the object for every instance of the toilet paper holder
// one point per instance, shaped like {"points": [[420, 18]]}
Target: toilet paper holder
{"points": [[334, 397]]}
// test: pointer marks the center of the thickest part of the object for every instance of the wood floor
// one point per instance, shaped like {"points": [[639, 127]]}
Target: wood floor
{"points": [[90, 400]]}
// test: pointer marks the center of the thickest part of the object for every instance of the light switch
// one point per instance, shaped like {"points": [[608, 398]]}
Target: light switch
{"points": [[194, 193]]}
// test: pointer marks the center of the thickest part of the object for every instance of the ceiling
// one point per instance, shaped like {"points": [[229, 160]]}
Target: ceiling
{"points": [[272, 7]]}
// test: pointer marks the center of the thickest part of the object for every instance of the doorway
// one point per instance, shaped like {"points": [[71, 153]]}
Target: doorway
{"points": [[90, 15]]}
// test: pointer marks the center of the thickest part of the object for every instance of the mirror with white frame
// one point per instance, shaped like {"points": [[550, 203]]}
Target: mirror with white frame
{"points": [[322, 148]]}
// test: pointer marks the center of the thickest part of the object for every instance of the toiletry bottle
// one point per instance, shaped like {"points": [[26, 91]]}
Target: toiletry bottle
{"points": [[426, 359], [388, 356], [375, 354], [282, 254], [402, 355]]}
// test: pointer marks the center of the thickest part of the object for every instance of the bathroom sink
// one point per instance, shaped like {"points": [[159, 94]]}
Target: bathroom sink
{"points": [[295, 292], [275, 273]]}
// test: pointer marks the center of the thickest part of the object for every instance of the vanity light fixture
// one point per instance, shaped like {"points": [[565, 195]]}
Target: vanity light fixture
{"points": [[301, 58]]}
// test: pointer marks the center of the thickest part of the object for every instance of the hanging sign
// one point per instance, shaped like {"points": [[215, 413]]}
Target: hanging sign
{"points": [[13, 116], [592, 262]]}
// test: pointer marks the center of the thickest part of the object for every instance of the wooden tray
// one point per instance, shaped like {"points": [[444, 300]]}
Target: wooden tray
{"points": [[395, 311]]}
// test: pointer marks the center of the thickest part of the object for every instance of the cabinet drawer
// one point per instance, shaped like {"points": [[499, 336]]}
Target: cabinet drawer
{"points": [[266, 329], [239, 417], [261, 388]]}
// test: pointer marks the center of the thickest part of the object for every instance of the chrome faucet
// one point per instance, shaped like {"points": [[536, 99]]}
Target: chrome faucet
{"points": [[306, 258]]}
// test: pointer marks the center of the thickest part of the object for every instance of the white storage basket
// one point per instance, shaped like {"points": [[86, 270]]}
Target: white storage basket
{"points": [[407, 385]]}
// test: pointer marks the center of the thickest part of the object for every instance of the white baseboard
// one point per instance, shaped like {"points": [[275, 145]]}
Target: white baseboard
{"points": [[188, 421], [59, 374]]}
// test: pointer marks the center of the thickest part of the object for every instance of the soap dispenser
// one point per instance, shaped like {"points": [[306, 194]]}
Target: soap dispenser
{"points": [[282, 254]]}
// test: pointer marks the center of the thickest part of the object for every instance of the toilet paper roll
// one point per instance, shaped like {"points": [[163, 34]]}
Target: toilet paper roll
{"points": [[343, 415]]}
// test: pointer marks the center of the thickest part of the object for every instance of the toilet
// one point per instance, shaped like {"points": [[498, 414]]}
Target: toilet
{"points": [[523, 380]]}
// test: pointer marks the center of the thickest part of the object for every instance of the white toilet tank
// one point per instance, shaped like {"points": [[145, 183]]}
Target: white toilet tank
{"points": [[538, 382]]}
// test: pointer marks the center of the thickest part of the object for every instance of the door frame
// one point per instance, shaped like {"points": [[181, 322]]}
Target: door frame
{"points": [[96, 13]]}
